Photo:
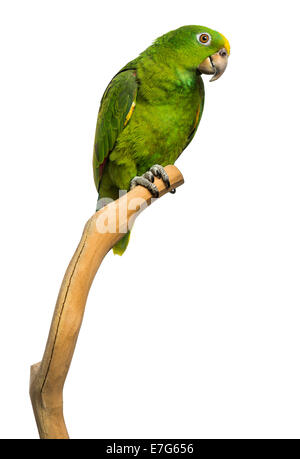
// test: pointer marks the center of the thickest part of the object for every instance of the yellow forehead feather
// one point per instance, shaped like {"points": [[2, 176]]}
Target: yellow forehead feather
{"points": [[226, 44]]}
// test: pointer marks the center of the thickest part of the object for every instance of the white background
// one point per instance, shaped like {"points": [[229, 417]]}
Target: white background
{"points": [[194, 332]]}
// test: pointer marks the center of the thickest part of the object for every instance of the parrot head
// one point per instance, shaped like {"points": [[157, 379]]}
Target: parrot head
{"points": [[197, 48]]}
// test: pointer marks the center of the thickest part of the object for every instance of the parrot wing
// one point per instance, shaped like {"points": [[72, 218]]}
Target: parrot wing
{"points": [[196, 124], [116, 108]]}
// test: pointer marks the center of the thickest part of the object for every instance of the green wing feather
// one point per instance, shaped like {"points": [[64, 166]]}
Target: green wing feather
{"points": [[116, 108]]}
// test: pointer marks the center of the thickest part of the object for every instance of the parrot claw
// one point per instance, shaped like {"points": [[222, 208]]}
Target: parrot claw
{"points": [[149, 176], [147, 179], [146, 183], [159, 172]]}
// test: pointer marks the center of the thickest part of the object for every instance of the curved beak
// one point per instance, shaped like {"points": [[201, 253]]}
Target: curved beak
{"points": [[215, 65]]}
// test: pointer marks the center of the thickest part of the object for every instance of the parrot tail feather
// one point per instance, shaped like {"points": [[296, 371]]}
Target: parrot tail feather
{"points": [[121, 246]]}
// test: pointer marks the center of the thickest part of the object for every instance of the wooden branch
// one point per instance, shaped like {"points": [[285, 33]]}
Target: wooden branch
{"points": [[47, 378]]}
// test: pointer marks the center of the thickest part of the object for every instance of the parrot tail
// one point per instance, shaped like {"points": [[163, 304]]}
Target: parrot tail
{"points": [[121, 246]]}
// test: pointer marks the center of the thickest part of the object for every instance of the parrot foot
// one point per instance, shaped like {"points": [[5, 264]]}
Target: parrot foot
{"points": [[147, 179], [159, 172], [146, 183]]}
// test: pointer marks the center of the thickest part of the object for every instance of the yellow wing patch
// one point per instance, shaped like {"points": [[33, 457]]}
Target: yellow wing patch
{"points": [[129, 113]]}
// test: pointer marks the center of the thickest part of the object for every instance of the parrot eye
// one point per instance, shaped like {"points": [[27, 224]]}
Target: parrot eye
{"points": [[204, 38]]}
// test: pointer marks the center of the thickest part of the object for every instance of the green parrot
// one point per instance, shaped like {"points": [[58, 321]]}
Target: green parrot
{"points": [[151, 110]]}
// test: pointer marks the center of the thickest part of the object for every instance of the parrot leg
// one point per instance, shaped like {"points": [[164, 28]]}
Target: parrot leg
{"points": [[147, 179]]}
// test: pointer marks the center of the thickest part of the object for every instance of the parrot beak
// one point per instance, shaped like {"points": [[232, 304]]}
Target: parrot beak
{"points": [[215, 65]]}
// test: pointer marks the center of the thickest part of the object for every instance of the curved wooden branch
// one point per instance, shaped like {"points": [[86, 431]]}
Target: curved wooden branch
{"points": [[100, 234]]}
